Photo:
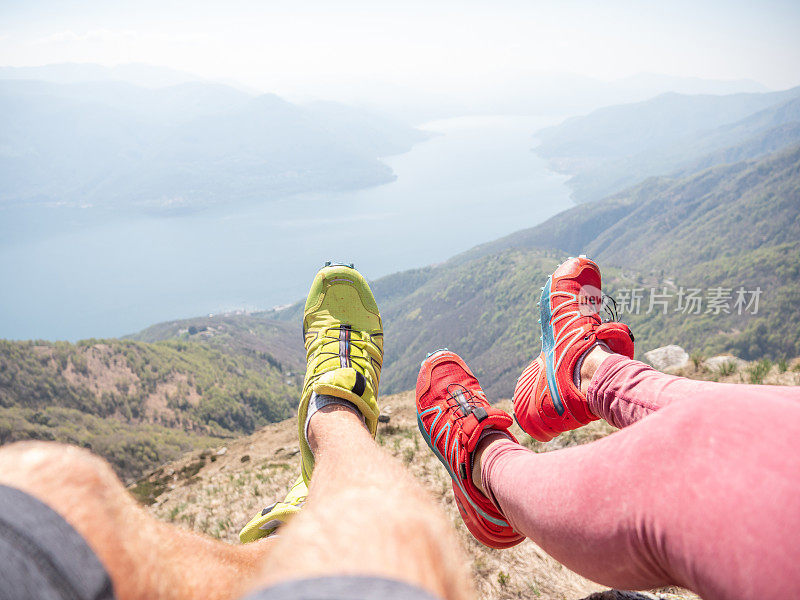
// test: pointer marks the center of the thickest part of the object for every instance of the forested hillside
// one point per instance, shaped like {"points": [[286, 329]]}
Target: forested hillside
{"points": [[138, 404]]}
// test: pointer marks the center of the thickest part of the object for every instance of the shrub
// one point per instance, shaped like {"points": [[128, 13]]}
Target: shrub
{"points": [[759, 370], [729, 367]]}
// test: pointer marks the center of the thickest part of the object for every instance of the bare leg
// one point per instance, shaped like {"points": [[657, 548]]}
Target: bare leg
{"points": [[365, 516], [145, 558]]}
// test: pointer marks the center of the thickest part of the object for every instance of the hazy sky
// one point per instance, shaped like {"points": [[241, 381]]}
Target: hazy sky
{"points": [[433, 44]]}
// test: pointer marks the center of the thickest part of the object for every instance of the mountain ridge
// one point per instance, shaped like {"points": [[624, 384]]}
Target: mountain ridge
{"points": [[613, 148], [188, 145]]}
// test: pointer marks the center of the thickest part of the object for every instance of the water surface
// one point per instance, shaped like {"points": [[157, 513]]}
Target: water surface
{"points": [[77, 273]]}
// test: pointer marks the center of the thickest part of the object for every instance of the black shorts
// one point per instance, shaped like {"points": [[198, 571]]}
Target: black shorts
{"points": [[343, 587], [43, 558]]}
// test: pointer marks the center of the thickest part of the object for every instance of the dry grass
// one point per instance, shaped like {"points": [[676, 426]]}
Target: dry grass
{"points": [[763, 372]]}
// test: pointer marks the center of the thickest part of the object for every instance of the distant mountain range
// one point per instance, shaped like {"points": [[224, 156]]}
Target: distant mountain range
{"points": [[532, 93], [139, 74], [613, 148], [115, 145], [160, 140]]}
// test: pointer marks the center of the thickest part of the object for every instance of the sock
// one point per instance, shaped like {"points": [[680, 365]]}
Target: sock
{"points": [[485, 433], [576, 374], [317, 401], [489, 431]]}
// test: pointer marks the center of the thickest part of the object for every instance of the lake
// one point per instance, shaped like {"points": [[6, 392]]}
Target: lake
{"points": [[75, 273]]}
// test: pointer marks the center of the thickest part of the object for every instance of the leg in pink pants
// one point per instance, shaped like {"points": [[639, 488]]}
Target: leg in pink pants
{"points": [[703, 493]]}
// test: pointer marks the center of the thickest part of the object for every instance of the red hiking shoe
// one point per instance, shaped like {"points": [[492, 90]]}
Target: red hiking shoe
{"points": [[452, 413], [546, 400]]}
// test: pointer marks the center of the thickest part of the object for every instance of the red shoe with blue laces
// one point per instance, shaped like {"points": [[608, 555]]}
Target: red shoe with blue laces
{"points": [[452, 414], [547, 399]]}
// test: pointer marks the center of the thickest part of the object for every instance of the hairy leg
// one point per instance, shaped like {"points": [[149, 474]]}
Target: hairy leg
{"points": [[145, 558], [365, 516], [702, 493]]}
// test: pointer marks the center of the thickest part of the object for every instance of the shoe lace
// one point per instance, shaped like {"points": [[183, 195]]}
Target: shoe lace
{"points": [[460, 397], [610, 309], [359, 354]]}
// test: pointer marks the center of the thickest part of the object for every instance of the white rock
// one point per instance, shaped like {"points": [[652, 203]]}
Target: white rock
{"points": [[667, 357], [222, 451]]}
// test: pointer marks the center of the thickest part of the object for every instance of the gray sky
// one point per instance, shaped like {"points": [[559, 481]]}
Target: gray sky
{"points": [[282, 46]]}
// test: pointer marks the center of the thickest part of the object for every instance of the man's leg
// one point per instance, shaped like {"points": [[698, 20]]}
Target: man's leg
{"points": [[368, 529], [702, 494], [146, 559], [365, 516]]}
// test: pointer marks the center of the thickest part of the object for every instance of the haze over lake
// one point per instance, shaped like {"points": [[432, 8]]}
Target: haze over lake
{"points": [[75, 273]]}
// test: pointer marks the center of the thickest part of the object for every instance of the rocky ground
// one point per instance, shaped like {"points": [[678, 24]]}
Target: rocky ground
{"points": [[725, 368]]}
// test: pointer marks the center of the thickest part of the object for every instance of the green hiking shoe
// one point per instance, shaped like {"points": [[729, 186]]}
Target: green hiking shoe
{"points": [[268, 521], [344, 347]]}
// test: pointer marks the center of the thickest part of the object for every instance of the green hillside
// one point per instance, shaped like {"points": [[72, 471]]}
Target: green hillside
{"points": [[676, 223], [138, 404], [253, 337], [484, 310]]}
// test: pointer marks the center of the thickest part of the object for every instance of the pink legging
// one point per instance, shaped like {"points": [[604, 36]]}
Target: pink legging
{"points": [[704, 493]]}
